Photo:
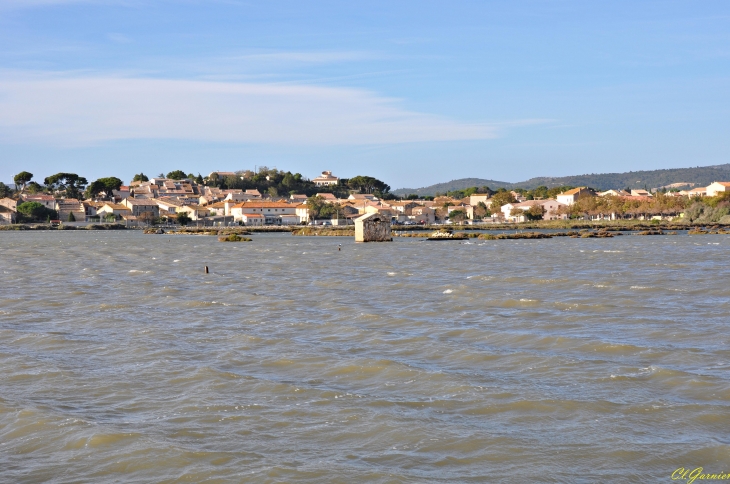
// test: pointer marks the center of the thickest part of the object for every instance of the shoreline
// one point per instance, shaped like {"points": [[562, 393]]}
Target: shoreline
{"points": [[531, 230]]}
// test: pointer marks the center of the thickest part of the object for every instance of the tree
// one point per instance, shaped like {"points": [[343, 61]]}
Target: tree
{"points": [[516, 212], [105, 185], [183, 218], [481, 211], [69, 183], [22, 179], [457, 216], [5, 190], [199, 179], [71, 217], [177, 175], [368, 184], [535, 212], [34, 188], [316, 205], [148, 218], [34, 212], [501, 198], [140, 177]]}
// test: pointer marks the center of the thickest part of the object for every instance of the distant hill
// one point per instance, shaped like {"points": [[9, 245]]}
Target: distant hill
{"points": [[459, 184], [698, 176]]}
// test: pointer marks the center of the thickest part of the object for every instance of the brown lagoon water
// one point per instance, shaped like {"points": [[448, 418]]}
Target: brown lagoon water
{"points": [[561, 360]]}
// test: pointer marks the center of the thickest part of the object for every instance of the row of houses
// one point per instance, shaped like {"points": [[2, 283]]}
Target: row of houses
{"points": [[161, 197]]}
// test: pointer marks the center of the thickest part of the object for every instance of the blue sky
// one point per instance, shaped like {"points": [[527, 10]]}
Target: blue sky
{"points": [[412, 92]]}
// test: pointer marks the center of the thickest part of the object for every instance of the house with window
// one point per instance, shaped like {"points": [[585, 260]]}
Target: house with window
{"points": [[140, 206], [512, 211], [423, 215], [254, 219], [168, 205], [274, 213], [195, 212], [326, 179], [302, 211], [47, 201], [115, 210]]}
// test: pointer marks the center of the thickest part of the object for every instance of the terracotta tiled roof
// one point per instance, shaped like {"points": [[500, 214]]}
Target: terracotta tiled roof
{"points": [[264, 205]]}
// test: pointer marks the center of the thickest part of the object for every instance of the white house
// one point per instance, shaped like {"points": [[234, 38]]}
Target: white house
{"points": [[550, 206], [326, 179], [47, 201], [253, 219], [715, 188], [571, 196], [302, 211], [274, 213], [614, 193]]}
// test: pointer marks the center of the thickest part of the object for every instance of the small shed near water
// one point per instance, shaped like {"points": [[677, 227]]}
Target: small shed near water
{"points": [[373, 227]]}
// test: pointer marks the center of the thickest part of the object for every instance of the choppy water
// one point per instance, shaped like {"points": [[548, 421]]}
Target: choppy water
{"points": [[561, 360]]}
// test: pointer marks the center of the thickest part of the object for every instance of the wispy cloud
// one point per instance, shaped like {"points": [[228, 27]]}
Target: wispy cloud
{"points": [[78, 111], [118, 38], [17, 4], [325, 57]]}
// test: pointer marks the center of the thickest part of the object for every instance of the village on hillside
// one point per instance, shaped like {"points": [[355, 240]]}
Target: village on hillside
{"points": [[215, 201]]}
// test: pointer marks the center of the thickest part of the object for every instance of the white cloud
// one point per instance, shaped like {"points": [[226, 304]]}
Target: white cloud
{"points": [[80, 111], [118, 38]]}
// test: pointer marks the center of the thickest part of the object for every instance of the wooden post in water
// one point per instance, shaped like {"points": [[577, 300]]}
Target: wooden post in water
{"points": [[206, 269]]}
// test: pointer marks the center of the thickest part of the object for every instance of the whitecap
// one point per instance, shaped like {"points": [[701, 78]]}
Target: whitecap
{"points": [[176, 260], [391, 273], [448, 291]]}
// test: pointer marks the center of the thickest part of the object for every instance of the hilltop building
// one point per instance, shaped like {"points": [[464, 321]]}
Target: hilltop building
{"points": [[326, 179]]}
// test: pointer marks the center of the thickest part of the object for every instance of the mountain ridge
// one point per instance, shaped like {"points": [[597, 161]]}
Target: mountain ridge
{"points": [[697, 176]]}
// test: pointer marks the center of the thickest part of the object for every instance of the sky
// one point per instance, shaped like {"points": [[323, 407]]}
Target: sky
{"points": [[411, 92]]}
